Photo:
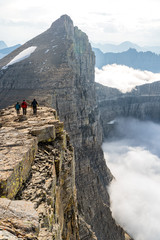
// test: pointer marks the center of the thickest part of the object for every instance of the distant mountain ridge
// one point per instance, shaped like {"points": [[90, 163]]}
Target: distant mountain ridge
{"points": [[2, 45], [138, 60], [124, 46], [5, 51]]}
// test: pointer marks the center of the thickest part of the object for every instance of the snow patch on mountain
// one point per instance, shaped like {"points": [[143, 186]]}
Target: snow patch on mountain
{"points": [[21, 56]]}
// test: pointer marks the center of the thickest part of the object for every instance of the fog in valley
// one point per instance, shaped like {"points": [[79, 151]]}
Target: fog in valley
{"points": [[133, 156], [124, 78]]}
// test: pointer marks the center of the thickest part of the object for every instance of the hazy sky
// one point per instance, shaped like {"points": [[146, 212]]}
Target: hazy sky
{"points": [[104, 20]]}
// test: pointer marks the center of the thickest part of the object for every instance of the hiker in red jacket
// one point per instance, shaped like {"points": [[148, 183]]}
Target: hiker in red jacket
{"points": [[24, 107]]}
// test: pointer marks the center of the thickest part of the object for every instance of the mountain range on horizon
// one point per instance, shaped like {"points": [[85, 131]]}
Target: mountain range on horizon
{"points": [[106, 47], [3, 45], [6, 50], [132, 58], [124, 46]]}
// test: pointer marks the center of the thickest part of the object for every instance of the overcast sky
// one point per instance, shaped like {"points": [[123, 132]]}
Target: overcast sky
{"points": [[104, 21]]}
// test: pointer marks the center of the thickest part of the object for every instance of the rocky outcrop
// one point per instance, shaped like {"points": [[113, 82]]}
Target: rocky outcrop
{"points": [[37, 178], [60, 73], [18, 219]]}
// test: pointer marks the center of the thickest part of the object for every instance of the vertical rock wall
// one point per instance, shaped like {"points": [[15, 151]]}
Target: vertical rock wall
{"points": [[81, 117], [142, 103], [60, 73]]}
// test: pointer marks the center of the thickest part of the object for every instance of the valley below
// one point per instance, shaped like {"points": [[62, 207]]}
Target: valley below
{"points": [[133, 156]]}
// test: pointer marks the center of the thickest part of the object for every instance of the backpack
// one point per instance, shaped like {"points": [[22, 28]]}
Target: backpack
{"points": [[17, 107], [34, 104], [24, 105]]}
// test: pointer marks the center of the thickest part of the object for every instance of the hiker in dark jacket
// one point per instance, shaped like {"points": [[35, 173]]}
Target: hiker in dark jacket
{"points": [[18, 107], [34, 105], [24, 107]]}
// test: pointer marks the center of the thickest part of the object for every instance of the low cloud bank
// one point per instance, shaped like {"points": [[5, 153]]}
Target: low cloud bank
{"points": [[124, 78], [134, 159]]}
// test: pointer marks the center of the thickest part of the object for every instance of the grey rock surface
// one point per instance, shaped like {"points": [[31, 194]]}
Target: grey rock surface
{"points": [[142, 103], [42, 185], [18, 218], [60, 73]]}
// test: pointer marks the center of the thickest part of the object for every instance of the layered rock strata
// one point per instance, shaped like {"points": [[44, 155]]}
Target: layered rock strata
{"points": [[37, 177], [142, 103], [60, 73]]}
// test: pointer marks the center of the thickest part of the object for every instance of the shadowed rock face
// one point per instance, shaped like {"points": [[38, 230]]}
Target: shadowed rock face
{"points": [[143, 103], [60, 73]]}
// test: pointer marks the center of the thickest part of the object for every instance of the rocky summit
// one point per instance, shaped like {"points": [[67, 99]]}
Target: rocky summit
{"points": [[57, 68]]}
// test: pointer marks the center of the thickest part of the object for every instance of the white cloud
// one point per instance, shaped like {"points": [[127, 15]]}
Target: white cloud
{"points": [[118, 23], [134, 160], [124, 78]]}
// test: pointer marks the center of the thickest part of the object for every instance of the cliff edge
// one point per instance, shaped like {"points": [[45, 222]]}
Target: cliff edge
{"points": [[37, 177], [59, 72]]}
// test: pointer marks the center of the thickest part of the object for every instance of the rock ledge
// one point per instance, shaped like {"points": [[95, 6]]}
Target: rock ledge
{"points": [[37, 177]]}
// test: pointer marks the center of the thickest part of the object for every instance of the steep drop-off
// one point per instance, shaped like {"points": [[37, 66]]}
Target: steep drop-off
{"points": [[142, 103], [60, 73]]}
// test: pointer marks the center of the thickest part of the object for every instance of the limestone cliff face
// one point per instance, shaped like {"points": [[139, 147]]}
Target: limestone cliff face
{"points": [[60, 73], [37, 170], [143, 103]]}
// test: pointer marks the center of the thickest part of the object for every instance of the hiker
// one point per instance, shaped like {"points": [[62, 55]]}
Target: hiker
{"points": [[24, 107], [34, 105], [18, 107]]}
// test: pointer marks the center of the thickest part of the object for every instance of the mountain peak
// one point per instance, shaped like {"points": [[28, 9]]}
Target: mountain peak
{"points": [[64, 19], [2, 45], [64, 24], [131, 50]]}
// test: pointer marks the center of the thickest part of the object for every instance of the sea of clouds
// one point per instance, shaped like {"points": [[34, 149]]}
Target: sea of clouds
{"points": [[133, 156], [124, 78]]}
